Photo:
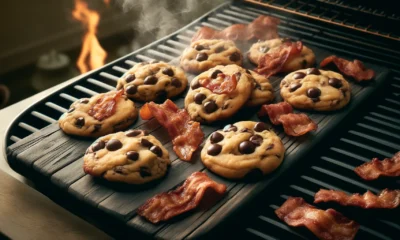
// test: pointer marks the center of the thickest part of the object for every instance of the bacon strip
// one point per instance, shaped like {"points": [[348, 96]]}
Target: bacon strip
{"points": [[293, 124], [355, 69], [187, 197], [328, 224], [186, 134], [389, 167], [218, 86], [273, 61], [106, 105], [263, 28], [386, 199]]}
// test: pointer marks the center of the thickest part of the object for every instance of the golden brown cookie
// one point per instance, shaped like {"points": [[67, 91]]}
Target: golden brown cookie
{"points": [[262, 90]]}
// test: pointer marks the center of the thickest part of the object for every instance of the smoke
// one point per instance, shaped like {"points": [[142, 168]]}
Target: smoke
{"points": [[158, 18]]}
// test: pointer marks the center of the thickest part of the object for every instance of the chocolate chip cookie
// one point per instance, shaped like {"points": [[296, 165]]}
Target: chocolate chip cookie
{"points": [[133, 157], [262, 90], [204, 54], [206, 106], [315, 90], [153, 82], [99, 115], [241, 148], [306, 58]]}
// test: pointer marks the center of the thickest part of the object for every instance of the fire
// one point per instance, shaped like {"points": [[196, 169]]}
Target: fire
{"points": [[92, 55]]}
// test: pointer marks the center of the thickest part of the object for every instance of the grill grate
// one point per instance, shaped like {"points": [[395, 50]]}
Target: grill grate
{"points": [[375, 134]]}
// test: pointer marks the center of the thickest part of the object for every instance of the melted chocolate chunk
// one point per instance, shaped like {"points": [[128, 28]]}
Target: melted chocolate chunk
{"points": [[129, 78], [168, 71], [246, 147], [201, 57], [199, 97], [216, 137], [256, 139], [234, 57], [80, 122], [71, 110], [214, 149], [219, 49], [199, 47], [313, 71], [132, 89], [84, 101], [132, 155], [99, 145], [334, 82], [195, 84], [133, 133], [263, 49], [313, 92], [294, 86], [146, 143], [150, 80], [230, 127], [144, 172], [176, 83], [210, 107], [113, 145], [260, 126], [215, 74], [299, 75], [156, 150]]}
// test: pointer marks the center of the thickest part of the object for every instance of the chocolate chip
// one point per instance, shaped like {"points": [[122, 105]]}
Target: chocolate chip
{"points": [[199, 97], [270, 146], [113, 144], [246, 147], [99, 145], [313, 92], [234, 57], [243, 130], [199, 47], [313, 71], [256, 139], [71, 110], [80, 122], [260, 126], [263, 49], [210, 107], [294, 86], [131, 89], [334, 82], [299, 75], [216, 137], [215, 73], [176, 83], [161, 95], [133, 133], [129, 78], [214, 149], [195, 84], [144, 172], [146, 143], [132, 155], [230, 127], [97, 128], [156, 150], [84, 101], [150, 80], [168, 71], [219, 49], [201, 57]]}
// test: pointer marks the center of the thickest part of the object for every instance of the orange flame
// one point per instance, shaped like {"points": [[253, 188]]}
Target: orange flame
{"points": [[92, 55]]}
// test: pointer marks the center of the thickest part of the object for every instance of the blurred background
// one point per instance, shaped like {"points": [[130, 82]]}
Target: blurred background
{"points": [[46, 42]]}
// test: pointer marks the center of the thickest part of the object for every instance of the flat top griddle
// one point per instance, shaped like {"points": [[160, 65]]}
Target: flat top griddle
{"points": [[51, 155]]}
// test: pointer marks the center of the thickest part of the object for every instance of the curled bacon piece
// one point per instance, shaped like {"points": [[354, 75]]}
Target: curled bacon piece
{"points": [[106, 105], [263, 28], [273, 61], [293, 124], [389, 167], [218, 86], [328, 224], [355, 69], [386, 199], [186, 197], [186, 134]]}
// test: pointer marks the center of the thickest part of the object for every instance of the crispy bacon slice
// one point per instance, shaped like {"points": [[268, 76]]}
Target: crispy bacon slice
{"points": [[273, 61], [389, 167], [263, 28], [328, 224], [274, 111], [186, 197], [386, 199], [222, 84], [355, 69], [297, 124], [106, 105], [186, 134]]}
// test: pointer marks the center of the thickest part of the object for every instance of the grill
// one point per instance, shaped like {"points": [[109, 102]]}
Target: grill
{"points": [[373, 132]]}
